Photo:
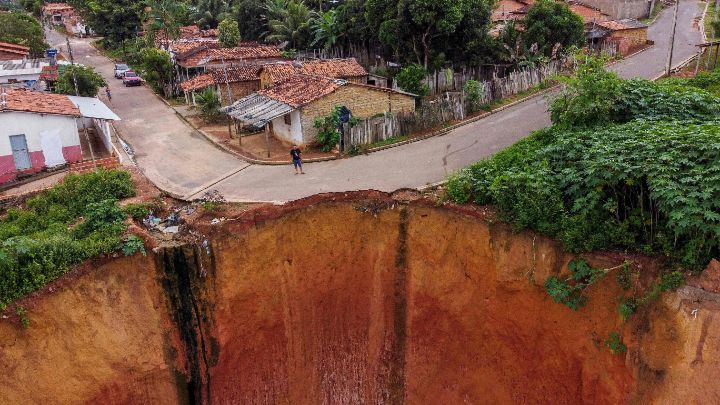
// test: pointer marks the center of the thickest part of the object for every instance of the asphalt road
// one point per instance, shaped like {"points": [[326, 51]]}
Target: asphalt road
{"points": [[184, 163]]}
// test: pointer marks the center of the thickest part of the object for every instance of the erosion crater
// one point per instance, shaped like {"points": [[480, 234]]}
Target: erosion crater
{"points": [[347, 299]]}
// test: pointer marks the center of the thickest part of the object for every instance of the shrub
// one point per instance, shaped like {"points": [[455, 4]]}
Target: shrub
{"points": [[137, 212], [410, 78], [88, 81], [229, 33], [627, 307], [569, 292], [209, 102], [473, 95], [132, 245], [615, 344], [21, 312], [70, 223], [328, 130]]}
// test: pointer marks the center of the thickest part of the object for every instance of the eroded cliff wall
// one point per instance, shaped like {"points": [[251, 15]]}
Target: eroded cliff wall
{"points": [[365, 300]]}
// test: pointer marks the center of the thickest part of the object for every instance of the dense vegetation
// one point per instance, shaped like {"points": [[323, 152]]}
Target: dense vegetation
{"points": [[433, 34], [87, 79], [20, 28], [626, 165], [72, 222]]}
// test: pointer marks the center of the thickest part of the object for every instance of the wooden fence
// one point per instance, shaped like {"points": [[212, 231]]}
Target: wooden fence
{"points": [[449, 106]]}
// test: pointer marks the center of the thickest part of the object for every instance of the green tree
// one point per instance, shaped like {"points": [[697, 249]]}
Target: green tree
{"points": [[290, 24], [116, 20], [229, 36], [209, 13], [352, 26], [249, 13], [209, 102], [410, 78], [88, 81], [22, 29], [167, 17], [549, 23], [432, 19], [325, 29], [158, 70]]}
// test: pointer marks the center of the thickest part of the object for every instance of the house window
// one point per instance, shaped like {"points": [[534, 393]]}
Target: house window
{"points": [[288, 121]]}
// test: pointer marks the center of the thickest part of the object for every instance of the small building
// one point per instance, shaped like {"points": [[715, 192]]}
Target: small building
{"points": [[194, 58], [23, 71], [628, 34], [588, 14], [509, 10], [288, 109], [41, 130], [242, 80], [348, 69], [57, 13], [10, 51]]}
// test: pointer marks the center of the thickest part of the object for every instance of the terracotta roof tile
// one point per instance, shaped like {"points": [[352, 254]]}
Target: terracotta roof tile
{"points": [[57, 7], [509, 10], [337, 68], [37, 102], [587, 13], [333, 68], [619, 25], [14, 51], [215, 76], [198, 82], [299, 90], [50, 73]]}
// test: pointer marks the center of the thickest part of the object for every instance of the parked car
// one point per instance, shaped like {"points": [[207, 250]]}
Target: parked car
{"points": [[120, 69], [131, 79]]}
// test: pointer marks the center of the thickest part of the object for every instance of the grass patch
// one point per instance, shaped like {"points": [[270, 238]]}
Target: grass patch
{"points": [[68, 224]]}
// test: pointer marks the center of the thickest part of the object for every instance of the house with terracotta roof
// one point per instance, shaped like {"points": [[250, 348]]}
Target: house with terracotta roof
{"points": [[628, 34], [56, 13], [196, 58], [348, 69], [241, 81], [10, 51], [41, 130], [288, 109]]}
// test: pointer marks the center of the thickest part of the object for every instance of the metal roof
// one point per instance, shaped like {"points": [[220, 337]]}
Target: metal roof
{"points": [[92, 107], [257, 110]]}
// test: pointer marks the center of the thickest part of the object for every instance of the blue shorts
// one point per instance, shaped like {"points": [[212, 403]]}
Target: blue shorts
{"points": [[297, 163]]}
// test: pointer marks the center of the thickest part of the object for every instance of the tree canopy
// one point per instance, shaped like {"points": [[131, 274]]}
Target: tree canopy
{"points": [[229, 35], [88, 81], [549, 23], [22, 29]]}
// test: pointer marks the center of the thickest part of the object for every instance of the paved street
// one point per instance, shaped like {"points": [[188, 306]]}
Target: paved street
{"points": [[184, 163]]}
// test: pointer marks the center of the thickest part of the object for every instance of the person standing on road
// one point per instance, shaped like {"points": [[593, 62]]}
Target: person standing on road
{"points": [[296, 155], [107, 92]]}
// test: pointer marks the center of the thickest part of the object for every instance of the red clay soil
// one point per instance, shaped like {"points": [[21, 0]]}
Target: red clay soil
{"points": [[357, 298]]}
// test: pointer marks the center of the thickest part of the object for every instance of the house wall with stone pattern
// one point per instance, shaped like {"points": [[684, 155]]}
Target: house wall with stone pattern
{"points": [[239, 90], [363, 101]]}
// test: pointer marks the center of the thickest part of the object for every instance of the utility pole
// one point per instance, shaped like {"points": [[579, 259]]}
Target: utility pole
{"points": [[77, 93], [672, 39], [230, 96]]}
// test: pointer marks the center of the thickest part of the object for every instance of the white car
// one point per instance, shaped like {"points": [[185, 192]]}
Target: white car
{"points": [[120, 69]]}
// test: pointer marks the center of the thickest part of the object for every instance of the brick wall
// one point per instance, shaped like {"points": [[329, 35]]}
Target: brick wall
{"points": [[364, 102], [635, 37], [239, 90]]}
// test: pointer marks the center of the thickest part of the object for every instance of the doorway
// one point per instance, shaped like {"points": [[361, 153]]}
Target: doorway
{"points": [[18, 143]]}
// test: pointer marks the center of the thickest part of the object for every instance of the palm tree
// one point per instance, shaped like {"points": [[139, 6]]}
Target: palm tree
{"points": [[325, 29], [209, 13], [290, 24]]}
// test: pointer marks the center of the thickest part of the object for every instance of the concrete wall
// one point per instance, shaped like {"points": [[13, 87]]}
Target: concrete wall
{"points": [[35, 127], [619, 9], [363, 101], [288, 133]]}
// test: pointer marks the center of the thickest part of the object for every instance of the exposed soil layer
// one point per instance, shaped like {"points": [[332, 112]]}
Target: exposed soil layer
{"points": [[356, 298]]}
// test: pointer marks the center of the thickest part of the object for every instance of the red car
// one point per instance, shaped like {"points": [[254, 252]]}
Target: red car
{"points": [[130, 78]]}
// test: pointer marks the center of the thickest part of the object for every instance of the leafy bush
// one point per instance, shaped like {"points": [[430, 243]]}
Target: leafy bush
{"points": [[133, 245], [647, 185], [88, 81], [21, 312], [569, 292], [615, 344], [70, 223], [229, 33], [473, 94], [627, 307], [137, 211], [209, 102], [329, 129], [410, 78]]}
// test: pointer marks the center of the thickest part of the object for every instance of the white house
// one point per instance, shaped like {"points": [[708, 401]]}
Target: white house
{"points": [[40, 130]]}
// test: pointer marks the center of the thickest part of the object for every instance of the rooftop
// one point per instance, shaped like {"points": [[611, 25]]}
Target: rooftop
{"points": [[299, 90], [335, 68], [57, 7], [588, 13], [624, 24], [19, 50], [206, 53], [37, 102], [215, 76]]}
